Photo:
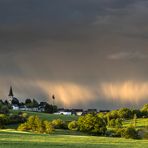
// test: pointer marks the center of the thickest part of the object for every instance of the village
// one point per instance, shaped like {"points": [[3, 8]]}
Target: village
{"points": [[35, 106]]}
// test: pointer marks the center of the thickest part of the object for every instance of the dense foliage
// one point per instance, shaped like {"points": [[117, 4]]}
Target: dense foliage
{"points": [[73, 125], [115, 123], [144, 110], [4, 109], [130, 132], [59, 124], [125, 113], [34, 124], [92, 124], [7, 119]]}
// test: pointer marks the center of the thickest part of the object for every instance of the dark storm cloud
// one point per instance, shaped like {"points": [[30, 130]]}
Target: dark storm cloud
{"points": [[79, 42]]}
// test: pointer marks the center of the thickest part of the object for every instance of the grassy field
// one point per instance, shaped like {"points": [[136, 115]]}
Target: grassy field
{"points": [[50, 117], [13, 139], [140, 123]]}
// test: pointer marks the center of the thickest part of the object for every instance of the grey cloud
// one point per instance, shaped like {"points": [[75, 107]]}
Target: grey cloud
{"points": [[71, 41], [128, 55]]}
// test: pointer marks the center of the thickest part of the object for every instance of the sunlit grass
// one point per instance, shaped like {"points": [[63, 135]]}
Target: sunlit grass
{"points": [[50, 117], [140, 123], [10, 138], [15, 139]]}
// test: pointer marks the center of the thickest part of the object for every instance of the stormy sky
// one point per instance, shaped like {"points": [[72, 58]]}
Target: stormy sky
{"points": [[89, 53]]}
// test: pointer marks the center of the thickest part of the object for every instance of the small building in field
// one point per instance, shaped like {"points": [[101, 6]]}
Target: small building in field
{"points": [[63, 111]]}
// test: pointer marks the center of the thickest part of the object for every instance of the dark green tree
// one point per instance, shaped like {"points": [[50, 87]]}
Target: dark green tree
{"points": [[144, 110], [125, 113], [35, 103], [15, 101]]}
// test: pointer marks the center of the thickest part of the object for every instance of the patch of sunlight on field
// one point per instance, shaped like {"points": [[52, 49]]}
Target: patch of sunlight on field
{"points": [[12, 130]]}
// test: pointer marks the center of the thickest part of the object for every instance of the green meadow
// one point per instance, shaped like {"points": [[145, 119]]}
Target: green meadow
{"points": [[140, 123], [14, 139], [11, 138], [49, 117]]}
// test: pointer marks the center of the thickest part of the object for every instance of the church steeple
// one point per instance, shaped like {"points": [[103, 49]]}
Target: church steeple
{"points": [[10, 92]]}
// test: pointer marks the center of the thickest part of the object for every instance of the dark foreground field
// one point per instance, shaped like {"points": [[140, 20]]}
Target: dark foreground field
{"points": [[14, 139]]}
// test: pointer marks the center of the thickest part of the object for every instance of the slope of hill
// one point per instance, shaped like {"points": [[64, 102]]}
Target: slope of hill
{"points": [[13, 139]]}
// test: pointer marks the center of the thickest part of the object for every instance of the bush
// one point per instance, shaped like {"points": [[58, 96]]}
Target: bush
{"points": [[118, 132], [23, 127], [137, 112], [13, 119], [114, 132], [118, 123], [125, 113], [24, 115], [34, 124], [115, 123], [4, 109], [130, 132], [73, 125], [3, 120], [144, 110], [59, 124], [112, 123], [143, 133], [47, 127]]}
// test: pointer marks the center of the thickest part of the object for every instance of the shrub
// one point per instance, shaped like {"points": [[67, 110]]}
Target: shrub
{"points": [[59, 124], [125, 113], [4, 109], [118, 123], [34, 124], [3, 120], [115, 123], [73, 125], [137, 112], [130, 132], [118, 132], [114, 114], [143, 133], [112, 123], [23, 127], [127, 133], [114, 132], [144, 110], [13, 119], [24, 115], [47, 127]]}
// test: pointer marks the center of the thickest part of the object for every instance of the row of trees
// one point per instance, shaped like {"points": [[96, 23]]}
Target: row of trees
{"points": [[97, 124], [126, 113]]}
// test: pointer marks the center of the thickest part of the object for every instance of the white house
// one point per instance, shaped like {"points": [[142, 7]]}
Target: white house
{"points": [[63, 113], [15, 107]]}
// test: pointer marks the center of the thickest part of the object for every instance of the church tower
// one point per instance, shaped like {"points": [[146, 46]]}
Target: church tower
{"points": [[10, 95]]}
